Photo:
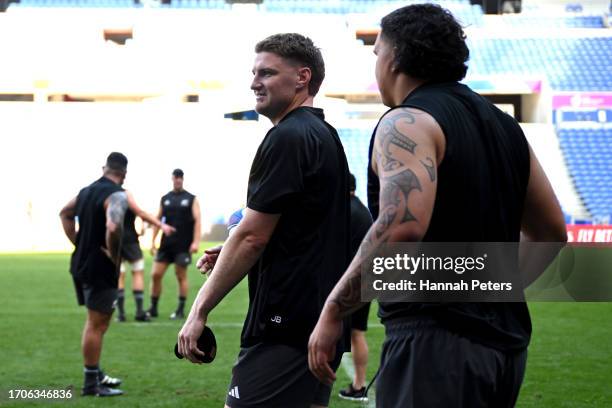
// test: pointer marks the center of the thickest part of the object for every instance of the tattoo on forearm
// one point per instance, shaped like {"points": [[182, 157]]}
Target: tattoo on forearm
{"points": [[430, 167], [394, 211], [397, 182], [350, 295]]}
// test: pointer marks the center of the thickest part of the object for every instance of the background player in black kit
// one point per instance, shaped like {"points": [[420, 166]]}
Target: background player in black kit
{"points": [[100, 208], [181, 210], [445, 166], [131, 256], [361, 220], [293, 240]]}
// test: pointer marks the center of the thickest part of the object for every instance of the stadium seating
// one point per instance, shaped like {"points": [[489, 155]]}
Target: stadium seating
{"points": [[303, 6], [570, 64], [574, 60], [544, 141], [356, 142], [468, 14], [518, 21], [75, 3], [588, 153]]}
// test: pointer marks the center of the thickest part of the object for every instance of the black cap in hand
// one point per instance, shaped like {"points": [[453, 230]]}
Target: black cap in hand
{"points": [[206, 343]]}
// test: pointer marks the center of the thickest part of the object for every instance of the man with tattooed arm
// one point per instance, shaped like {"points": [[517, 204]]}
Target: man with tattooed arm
{"points": [[100, 210], [445, 166]]}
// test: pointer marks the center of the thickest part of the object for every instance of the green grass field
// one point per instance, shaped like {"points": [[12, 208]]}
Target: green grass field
{"points": [[570, 357]]}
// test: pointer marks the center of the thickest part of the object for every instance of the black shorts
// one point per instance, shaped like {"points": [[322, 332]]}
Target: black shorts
{"points": [[100, 299], [359, 319], [180, 257], [131, 252], [274, 376], [425, 365]]}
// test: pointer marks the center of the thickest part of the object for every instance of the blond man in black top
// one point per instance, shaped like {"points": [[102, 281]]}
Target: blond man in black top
{"points": [[293, 241]]}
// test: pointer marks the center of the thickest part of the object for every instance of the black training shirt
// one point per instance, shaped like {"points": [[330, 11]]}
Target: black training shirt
{"points": [[299, 171], [177, 212], [88, 263]]}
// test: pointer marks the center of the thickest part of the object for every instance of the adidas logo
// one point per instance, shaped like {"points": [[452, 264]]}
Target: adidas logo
{"points": [[234, 392]]}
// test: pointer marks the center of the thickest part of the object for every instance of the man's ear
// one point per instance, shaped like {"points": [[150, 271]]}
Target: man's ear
{"points": [[395, 65], [304, 76], [395, 68]]}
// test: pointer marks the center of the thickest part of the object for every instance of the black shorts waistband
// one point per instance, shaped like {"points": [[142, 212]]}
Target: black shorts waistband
{"points": [[401, 325]]}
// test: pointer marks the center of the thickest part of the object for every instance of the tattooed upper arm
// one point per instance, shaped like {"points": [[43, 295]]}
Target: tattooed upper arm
{"points": [[405, 153], [117, 207], [405, 156], [390, 138]]}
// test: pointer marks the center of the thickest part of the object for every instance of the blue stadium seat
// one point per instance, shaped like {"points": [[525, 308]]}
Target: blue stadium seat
{"points": [[588, 154], [356, 142], [570, 64]]}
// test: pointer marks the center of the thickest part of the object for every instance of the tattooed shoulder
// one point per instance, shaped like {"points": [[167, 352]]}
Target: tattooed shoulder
{"points": [[117, 206], [391, 134]]}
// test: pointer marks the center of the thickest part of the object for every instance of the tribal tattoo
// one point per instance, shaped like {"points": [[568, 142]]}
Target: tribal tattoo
{"points": [[396, 186], [394, 199], [390, 136], [117, 206], [430, 167], [348, 298]]}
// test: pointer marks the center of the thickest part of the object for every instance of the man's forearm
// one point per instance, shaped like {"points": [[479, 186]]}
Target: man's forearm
{"points": [[239, 254], [69, 227], [346, 295], [154, 236], [67, 216], [535, 257], [151, 219]]}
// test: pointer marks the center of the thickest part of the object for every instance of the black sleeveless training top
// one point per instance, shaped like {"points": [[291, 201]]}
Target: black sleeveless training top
{"points": [[481, 189]]}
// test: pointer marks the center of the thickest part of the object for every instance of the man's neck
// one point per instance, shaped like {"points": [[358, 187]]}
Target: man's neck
{"points": [[404, 86], [298, 101], [112, 177]]}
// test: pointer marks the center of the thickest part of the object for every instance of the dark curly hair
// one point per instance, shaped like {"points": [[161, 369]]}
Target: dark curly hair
{"points": [[428, 42], [297, 48]]}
